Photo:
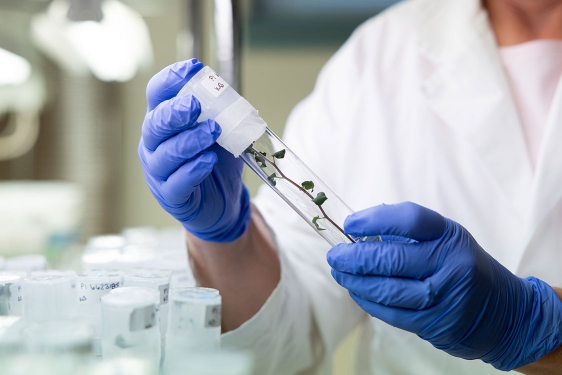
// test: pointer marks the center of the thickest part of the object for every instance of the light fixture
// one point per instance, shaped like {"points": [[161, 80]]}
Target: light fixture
{"points": [[112, 44], [14, 69]]}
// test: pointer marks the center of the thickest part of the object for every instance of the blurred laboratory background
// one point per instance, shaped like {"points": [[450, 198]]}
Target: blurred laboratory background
{"points": [[72, 100]]}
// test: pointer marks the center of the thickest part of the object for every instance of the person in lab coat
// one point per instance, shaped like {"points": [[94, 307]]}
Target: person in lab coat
{"points": [[454, 105]]}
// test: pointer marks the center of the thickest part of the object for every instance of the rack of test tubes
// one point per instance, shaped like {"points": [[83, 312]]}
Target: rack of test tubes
{"points": [[133, 307]]}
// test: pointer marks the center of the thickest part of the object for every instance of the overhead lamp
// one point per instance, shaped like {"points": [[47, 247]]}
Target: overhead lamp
{"points": [[14, 69], [103, 37]]}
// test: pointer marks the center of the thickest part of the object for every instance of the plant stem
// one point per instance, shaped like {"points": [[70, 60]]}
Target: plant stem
{"points": [[260, 155]]}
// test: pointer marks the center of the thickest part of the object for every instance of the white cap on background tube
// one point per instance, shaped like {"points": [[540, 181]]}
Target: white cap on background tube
{"points": [[71, 275], [47, 297], [100, 259], [108, 241]]}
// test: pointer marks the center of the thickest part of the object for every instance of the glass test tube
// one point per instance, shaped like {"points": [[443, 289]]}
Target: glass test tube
{"points": [[47, 297], [89, 290], [11, 294], [159, 281], [269, 158], [130, 325], [194, 322]]}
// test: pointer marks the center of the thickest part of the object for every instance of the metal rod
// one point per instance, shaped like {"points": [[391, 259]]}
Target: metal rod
{"points": [[227, 34], [196, 27]]}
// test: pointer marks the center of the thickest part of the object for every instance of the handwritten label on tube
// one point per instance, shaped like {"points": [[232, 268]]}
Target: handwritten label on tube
{"points": [[213, 316], [92, 292], [214, 84]]}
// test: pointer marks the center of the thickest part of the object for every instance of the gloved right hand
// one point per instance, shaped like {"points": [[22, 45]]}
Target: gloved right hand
{"points": [[193, 178]]}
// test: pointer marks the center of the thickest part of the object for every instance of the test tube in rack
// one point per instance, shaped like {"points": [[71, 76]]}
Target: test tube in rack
{"points": [[194, 323], [159, 281], [89, 290], [47, 297], [130, 325]]}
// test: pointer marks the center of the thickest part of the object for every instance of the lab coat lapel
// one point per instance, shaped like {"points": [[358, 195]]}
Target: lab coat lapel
{"points": [[547, 187], [467, 88]]}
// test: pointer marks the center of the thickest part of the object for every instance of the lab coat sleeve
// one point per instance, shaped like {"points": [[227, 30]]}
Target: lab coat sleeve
{"points": [[308, 314]]}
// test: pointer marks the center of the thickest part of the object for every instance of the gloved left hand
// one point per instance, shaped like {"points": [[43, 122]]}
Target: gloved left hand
{"points": [[445, 288]]}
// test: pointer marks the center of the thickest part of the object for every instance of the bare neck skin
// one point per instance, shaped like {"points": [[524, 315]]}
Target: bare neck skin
{"points": [[520, 21]]}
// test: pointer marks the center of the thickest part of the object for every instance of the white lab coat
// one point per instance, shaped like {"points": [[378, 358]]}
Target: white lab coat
{"points": [[415, 106]]}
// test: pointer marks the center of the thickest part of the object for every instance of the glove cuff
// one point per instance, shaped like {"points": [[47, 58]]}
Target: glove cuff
{"points": [[540, 331]]}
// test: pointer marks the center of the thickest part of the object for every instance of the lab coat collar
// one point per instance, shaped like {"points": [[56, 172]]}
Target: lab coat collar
{"points": [[466, 87]]}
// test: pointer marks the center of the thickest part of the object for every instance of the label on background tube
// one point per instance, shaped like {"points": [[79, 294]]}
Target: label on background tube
{"points": [[214, 84], [143, 318], [213, 316], [91, 292], [164, 291]]}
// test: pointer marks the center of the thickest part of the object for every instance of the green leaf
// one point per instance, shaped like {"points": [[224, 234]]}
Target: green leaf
{"points": [[308, 185], [249, 150], [279, 154], [260, 158], [271, 179], [320, 198], [315, 222]]}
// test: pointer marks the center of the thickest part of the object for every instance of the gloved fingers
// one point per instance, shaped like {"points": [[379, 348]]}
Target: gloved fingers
{"points": [[167, 83], [168, 119], [177, 189], [404, 219], [390, 291], [405, 319], [386, 258], [175, 151]]}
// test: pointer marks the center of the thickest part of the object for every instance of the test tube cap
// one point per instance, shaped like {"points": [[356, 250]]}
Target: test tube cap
{"points": [[47, 297], [131, 297], [195, 295], [100, 258], [142, 236], [111, 241]]}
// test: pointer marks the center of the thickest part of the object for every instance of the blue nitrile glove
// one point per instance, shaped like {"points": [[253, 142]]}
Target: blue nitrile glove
{"points": [[193, 178], [445, 288]]}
